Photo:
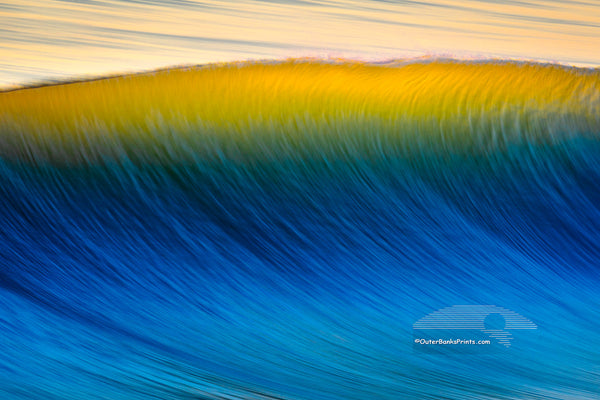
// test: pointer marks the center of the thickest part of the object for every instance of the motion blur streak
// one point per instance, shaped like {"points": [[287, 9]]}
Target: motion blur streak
{"points": [[273, 230], [58, 39]]}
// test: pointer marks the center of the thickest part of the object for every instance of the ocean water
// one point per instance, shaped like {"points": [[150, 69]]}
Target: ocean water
{"points": [[286, 251], [44, 40]]}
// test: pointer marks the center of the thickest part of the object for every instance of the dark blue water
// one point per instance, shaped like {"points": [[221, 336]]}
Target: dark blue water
{"points": [[300, 276]]}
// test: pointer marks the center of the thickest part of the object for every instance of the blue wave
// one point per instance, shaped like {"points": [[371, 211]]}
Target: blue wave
{"points": [[301, 277], [298, 280]]}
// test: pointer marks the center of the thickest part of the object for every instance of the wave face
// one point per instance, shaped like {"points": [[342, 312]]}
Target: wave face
{"points": [[274, 230]]}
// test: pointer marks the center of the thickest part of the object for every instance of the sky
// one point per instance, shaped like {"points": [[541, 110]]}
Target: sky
{"points": [[61, 39]]}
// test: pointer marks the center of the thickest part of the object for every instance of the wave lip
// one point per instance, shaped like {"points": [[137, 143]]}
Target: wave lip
{"points": [[297, 107]]}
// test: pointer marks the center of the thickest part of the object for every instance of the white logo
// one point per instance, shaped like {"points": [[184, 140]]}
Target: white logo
{"points": [[495, 322]]}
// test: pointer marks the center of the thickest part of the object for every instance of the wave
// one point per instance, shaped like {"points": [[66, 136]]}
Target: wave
{"points": [[300, 106], [274, 230]]}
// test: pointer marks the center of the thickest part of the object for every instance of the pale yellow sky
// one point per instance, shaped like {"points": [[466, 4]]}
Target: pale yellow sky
{"points": [[69, 38]]}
